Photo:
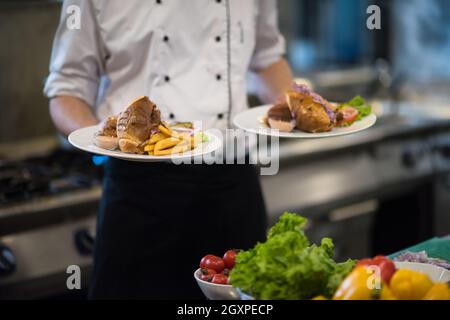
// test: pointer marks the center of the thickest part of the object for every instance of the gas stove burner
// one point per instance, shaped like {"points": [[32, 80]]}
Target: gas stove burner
{"points": [[59, 172]]}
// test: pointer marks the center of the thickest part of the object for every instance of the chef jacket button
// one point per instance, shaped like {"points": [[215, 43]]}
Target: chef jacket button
{"points": [[220, 116], [166, 38], [218, 38], [158, 1], [219, 77], [218, 1], [171, 116], [167, 78]]}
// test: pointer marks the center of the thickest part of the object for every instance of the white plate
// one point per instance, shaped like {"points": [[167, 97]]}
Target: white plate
{"points": [[436, 274], [83, 139], [251, 120]]}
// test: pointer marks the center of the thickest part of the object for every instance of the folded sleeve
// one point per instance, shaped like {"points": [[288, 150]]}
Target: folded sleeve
{"points": [[76, 61], [270, 44]]}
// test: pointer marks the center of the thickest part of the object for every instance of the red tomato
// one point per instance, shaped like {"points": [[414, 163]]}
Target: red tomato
{"points": [[346, 115], [204, 259], [364, 262], [220, 279], [207, 274], [387, 266], [212, 262], [229, 258]]}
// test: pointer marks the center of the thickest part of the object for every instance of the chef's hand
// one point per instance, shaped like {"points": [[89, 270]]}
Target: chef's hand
{"points": [[71, 113], [274, 81]]}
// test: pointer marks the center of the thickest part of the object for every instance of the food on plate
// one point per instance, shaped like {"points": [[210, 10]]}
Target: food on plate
{"points": [[106, 138], [288, 266], [188, 125], [422, 257], [135, 124], [378, 279], [139, 130], [351, 111], [279, 117], [167, 141], [311, 112], [307, 111]]}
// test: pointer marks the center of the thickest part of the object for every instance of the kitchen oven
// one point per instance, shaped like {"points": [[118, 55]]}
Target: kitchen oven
{"points": [[48, 208]]}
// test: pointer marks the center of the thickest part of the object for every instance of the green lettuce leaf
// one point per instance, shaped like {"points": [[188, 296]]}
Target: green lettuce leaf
{"points": [[360, 104], [287, 266]]}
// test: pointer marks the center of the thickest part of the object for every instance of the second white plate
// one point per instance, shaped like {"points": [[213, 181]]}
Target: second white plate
{"points": [[251, 120]]}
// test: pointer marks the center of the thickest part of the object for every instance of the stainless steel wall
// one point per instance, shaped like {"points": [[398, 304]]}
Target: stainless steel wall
{"points": [[26, 35]]}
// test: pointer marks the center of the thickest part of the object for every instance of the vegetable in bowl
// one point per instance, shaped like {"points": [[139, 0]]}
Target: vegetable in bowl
{"points": [[287, 266]]}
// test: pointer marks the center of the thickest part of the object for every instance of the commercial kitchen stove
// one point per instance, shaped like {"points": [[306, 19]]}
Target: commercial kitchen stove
{"points": [[47, 223]]}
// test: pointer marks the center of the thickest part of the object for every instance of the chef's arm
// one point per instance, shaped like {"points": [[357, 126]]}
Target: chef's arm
{"points": [[273, 81], [71, 113]]}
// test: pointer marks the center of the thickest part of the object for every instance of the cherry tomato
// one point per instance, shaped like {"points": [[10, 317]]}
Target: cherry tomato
{"points": [[220, 279], [212, 262], [207, 274], [386, 265], [229, 258], [203, 261], [387, 268], [346, 115]]}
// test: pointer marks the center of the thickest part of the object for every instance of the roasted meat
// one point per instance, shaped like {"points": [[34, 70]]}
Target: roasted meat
{"points": [[135, 124], [311, 112], [106, 137], [280, 117]]}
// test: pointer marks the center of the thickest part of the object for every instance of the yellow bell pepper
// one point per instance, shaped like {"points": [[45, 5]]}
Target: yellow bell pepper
{"points": [[439, 291], [355, 286], [386, 293], [410, 285]]}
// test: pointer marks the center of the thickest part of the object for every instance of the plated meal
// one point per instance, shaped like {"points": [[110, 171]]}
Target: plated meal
{"points": [[139, 134], [305, 114], [289, 267], [139, 130]]}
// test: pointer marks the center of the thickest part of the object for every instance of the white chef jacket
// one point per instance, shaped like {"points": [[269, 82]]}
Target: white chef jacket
{"points": [[190, 57]]}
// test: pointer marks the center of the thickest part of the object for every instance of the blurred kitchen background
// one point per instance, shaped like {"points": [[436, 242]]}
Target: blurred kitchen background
{"points": [[377, 191]]}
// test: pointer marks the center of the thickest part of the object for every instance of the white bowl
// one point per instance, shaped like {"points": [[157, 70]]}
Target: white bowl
{"points": [[436, 274], [245, 296], [214, 291]]}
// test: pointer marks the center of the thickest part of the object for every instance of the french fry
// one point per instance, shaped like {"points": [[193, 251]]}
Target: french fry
{"points": [[165, 130], [157, 137], [149, 148], [166, 144], [177, 149]]}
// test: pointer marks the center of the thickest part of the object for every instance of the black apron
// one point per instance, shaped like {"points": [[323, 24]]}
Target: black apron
{"points": [[157, 220]]}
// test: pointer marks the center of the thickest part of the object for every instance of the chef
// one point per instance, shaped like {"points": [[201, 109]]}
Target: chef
{"points": [[157, 220]]}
